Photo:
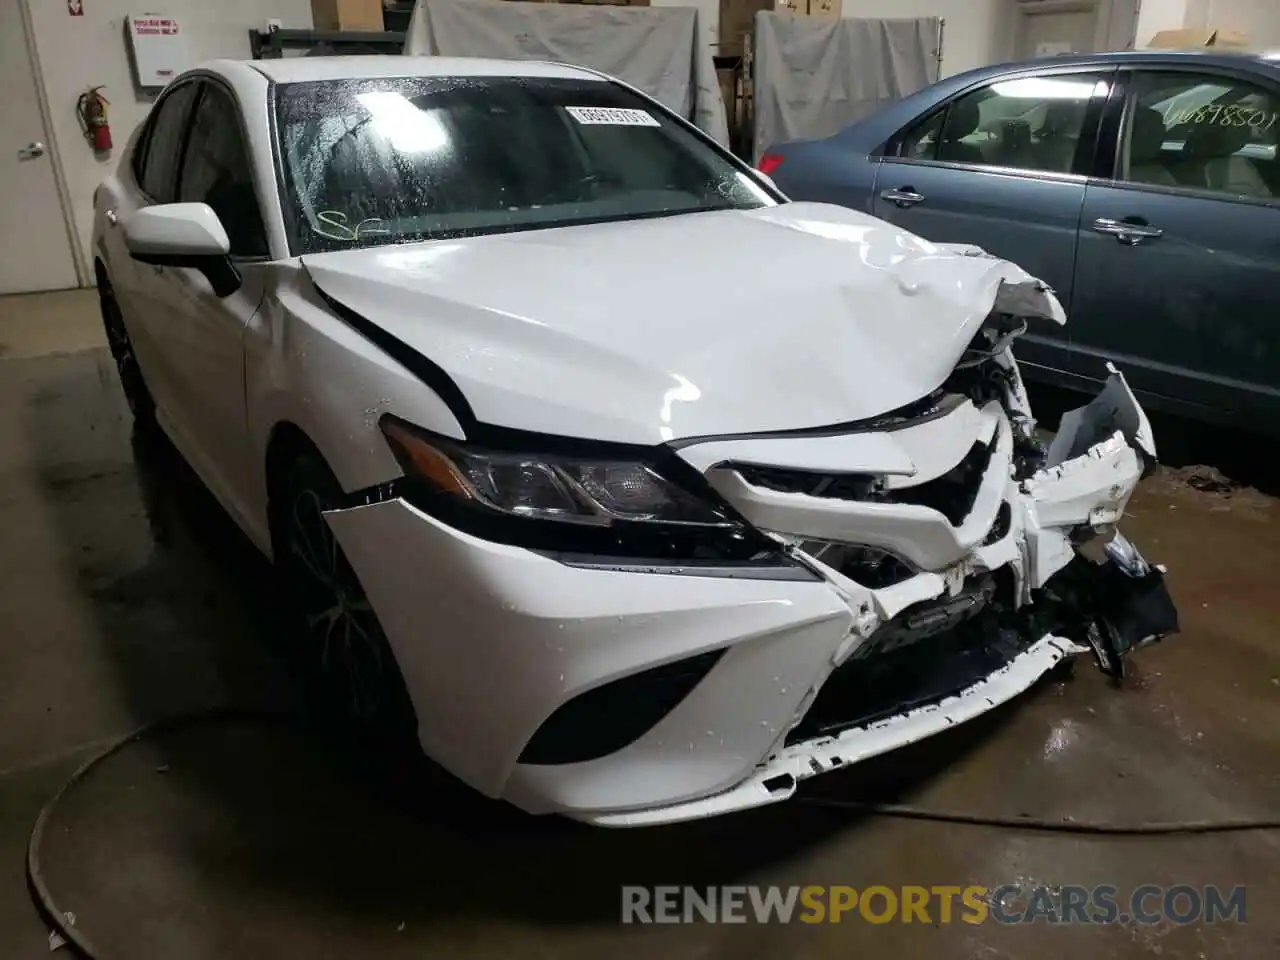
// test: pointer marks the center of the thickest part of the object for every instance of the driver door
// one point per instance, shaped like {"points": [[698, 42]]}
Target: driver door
{"points": [[200, 334]]}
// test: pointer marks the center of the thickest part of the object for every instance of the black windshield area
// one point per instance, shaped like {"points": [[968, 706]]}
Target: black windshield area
{"points": [[370, 162]]}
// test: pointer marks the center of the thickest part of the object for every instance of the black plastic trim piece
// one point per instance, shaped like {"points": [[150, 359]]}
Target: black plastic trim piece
{"points": [[616, 714]]}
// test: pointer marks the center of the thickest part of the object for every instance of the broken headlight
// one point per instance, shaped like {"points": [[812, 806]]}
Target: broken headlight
{"points": [[573, 504]]}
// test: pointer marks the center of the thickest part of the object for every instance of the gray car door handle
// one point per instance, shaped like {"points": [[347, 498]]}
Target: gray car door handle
{"points": [[903, 196], [1126, 232]]}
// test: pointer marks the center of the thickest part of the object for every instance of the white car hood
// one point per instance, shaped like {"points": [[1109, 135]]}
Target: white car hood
{"points": [[781, 318]]}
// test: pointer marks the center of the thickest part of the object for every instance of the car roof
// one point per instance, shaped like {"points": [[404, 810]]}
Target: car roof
{"points": [[306, 69], [1205, 57]]}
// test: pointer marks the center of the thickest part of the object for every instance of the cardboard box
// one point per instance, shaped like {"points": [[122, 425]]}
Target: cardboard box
{"points": [[797, 8], [825, 9], [359, 15], [1197, 39], [737, 23]]}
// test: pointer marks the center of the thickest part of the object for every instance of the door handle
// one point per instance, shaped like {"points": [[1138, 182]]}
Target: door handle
{"points": [[1127, 232], [903, 196], [32, 150]]}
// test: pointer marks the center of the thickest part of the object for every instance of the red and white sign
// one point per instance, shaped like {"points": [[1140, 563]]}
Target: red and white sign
{"points": [[155, 27], [159, 48], [75, 8]]}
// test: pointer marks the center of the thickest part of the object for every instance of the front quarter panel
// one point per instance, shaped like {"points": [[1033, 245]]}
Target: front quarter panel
{"points": [[306, 367]]}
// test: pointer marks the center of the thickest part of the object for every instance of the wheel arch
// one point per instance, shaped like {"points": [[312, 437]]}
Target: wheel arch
{"points": [[286, 442]]}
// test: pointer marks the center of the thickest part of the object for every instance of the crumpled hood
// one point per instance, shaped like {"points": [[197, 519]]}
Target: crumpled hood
{"points": [[781, 318]]}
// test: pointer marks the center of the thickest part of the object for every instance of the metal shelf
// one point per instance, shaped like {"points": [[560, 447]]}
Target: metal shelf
{"points": [[271, 45]]}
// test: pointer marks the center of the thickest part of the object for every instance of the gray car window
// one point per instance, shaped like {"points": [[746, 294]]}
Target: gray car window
{"points": [[216, 171], [1202, 132], [1028, 123], [163, 141]]}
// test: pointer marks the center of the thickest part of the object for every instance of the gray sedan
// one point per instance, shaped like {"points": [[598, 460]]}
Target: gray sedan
{"points": [[1144, 186]]}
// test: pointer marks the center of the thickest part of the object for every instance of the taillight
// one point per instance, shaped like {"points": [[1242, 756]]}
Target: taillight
{"points": [[769, 163]]}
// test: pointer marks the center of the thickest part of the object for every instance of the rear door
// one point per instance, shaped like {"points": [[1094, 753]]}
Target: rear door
{"points": [[1003, 166], [1179, 260]]}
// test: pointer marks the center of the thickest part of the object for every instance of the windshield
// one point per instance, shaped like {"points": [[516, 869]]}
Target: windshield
{"points": [[370, 162]]}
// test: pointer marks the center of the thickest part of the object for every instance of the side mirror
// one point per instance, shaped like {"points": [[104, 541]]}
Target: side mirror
{"points": [[184, 235]]}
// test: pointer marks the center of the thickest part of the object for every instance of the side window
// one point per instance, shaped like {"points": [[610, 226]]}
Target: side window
{"points": [[1202, 132], [162, 143], [216, 171], [1029, 123], [921, 141]]}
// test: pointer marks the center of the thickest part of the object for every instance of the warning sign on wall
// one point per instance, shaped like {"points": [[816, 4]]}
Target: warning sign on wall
{"points": [[159, 48]]}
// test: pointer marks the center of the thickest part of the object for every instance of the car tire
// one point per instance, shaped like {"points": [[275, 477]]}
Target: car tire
{"points": [[344, 647], [136, 394]]}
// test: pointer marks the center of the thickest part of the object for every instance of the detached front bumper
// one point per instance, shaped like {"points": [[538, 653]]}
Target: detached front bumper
{"points": [[624, 697]]}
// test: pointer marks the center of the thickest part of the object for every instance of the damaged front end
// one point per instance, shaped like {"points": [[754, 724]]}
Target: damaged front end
{"points": [[977, 558]]}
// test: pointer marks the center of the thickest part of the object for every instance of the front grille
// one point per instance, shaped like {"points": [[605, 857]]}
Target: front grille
{"points": [[929, 652], [609, 717]]}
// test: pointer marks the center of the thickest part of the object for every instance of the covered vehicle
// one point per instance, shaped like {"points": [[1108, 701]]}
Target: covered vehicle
{"points": [[636, 492]]}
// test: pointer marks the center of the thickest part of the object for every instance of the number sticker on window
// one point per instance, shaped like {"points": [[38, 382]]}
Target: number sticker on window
{"points": [[1216, 114], [612, 116]]}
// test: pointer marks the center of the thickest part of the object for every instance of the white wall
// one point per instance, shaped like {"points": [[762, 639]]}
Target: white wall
{"points": [[1260, 19], [1117, 25], [81, 52], [1157, 15]]}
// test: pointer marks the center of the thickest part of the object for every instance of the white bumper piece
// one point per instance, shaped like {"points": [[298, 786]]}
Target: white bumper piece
{"points": [[492, 640]]}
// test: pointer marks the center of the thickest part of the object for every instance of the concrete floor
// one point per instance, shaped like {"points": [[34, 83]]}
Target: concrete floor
{"points": [[126, 596]]}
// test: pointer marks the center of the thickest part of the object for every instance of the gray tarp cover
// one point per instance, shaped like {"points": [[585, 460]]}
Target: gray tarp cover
{"points": [[655, 49], [815, 77]]}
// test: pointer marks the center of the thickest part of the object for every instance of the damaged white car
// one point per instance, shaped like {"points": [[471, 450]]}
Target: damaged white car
{"points": [[639, 493]]}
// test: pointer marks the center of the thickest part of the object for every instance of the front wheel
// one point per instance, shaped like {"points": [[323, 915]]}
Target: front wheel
{"points": [[136, 394], [344, 643]]}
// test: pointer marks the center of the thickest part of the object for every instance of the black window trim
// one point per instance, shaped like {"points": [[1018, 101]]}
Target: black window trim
{"points": [[1117, 117], [292, 228], [212, 79], [1081, 164]]}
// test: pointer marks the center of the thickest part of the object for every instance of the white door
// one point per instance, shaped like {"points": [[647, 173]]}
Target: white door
{"points": [[37, 251], [1051, 34]]}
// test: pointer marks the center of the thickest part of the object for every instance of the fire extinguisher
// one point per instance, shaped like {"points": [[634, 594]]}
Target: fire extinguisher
{"points": [[92, 111]]}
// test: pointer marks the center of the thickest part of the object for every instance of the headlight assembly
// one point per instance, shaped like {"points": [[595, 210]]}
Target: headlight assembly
{"points": [[538, 486], [582, 507]]}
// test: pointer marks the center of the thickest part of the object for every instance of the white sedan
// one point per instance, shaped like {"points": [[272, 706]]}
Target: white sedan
{"points": [[636, 492]]}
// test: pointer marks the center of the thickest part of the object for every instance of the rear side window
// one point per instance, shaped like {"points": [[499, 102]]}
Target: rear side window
{"points": [[1027, 123], [216, 171], [1202, 132], [162, 143]]}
